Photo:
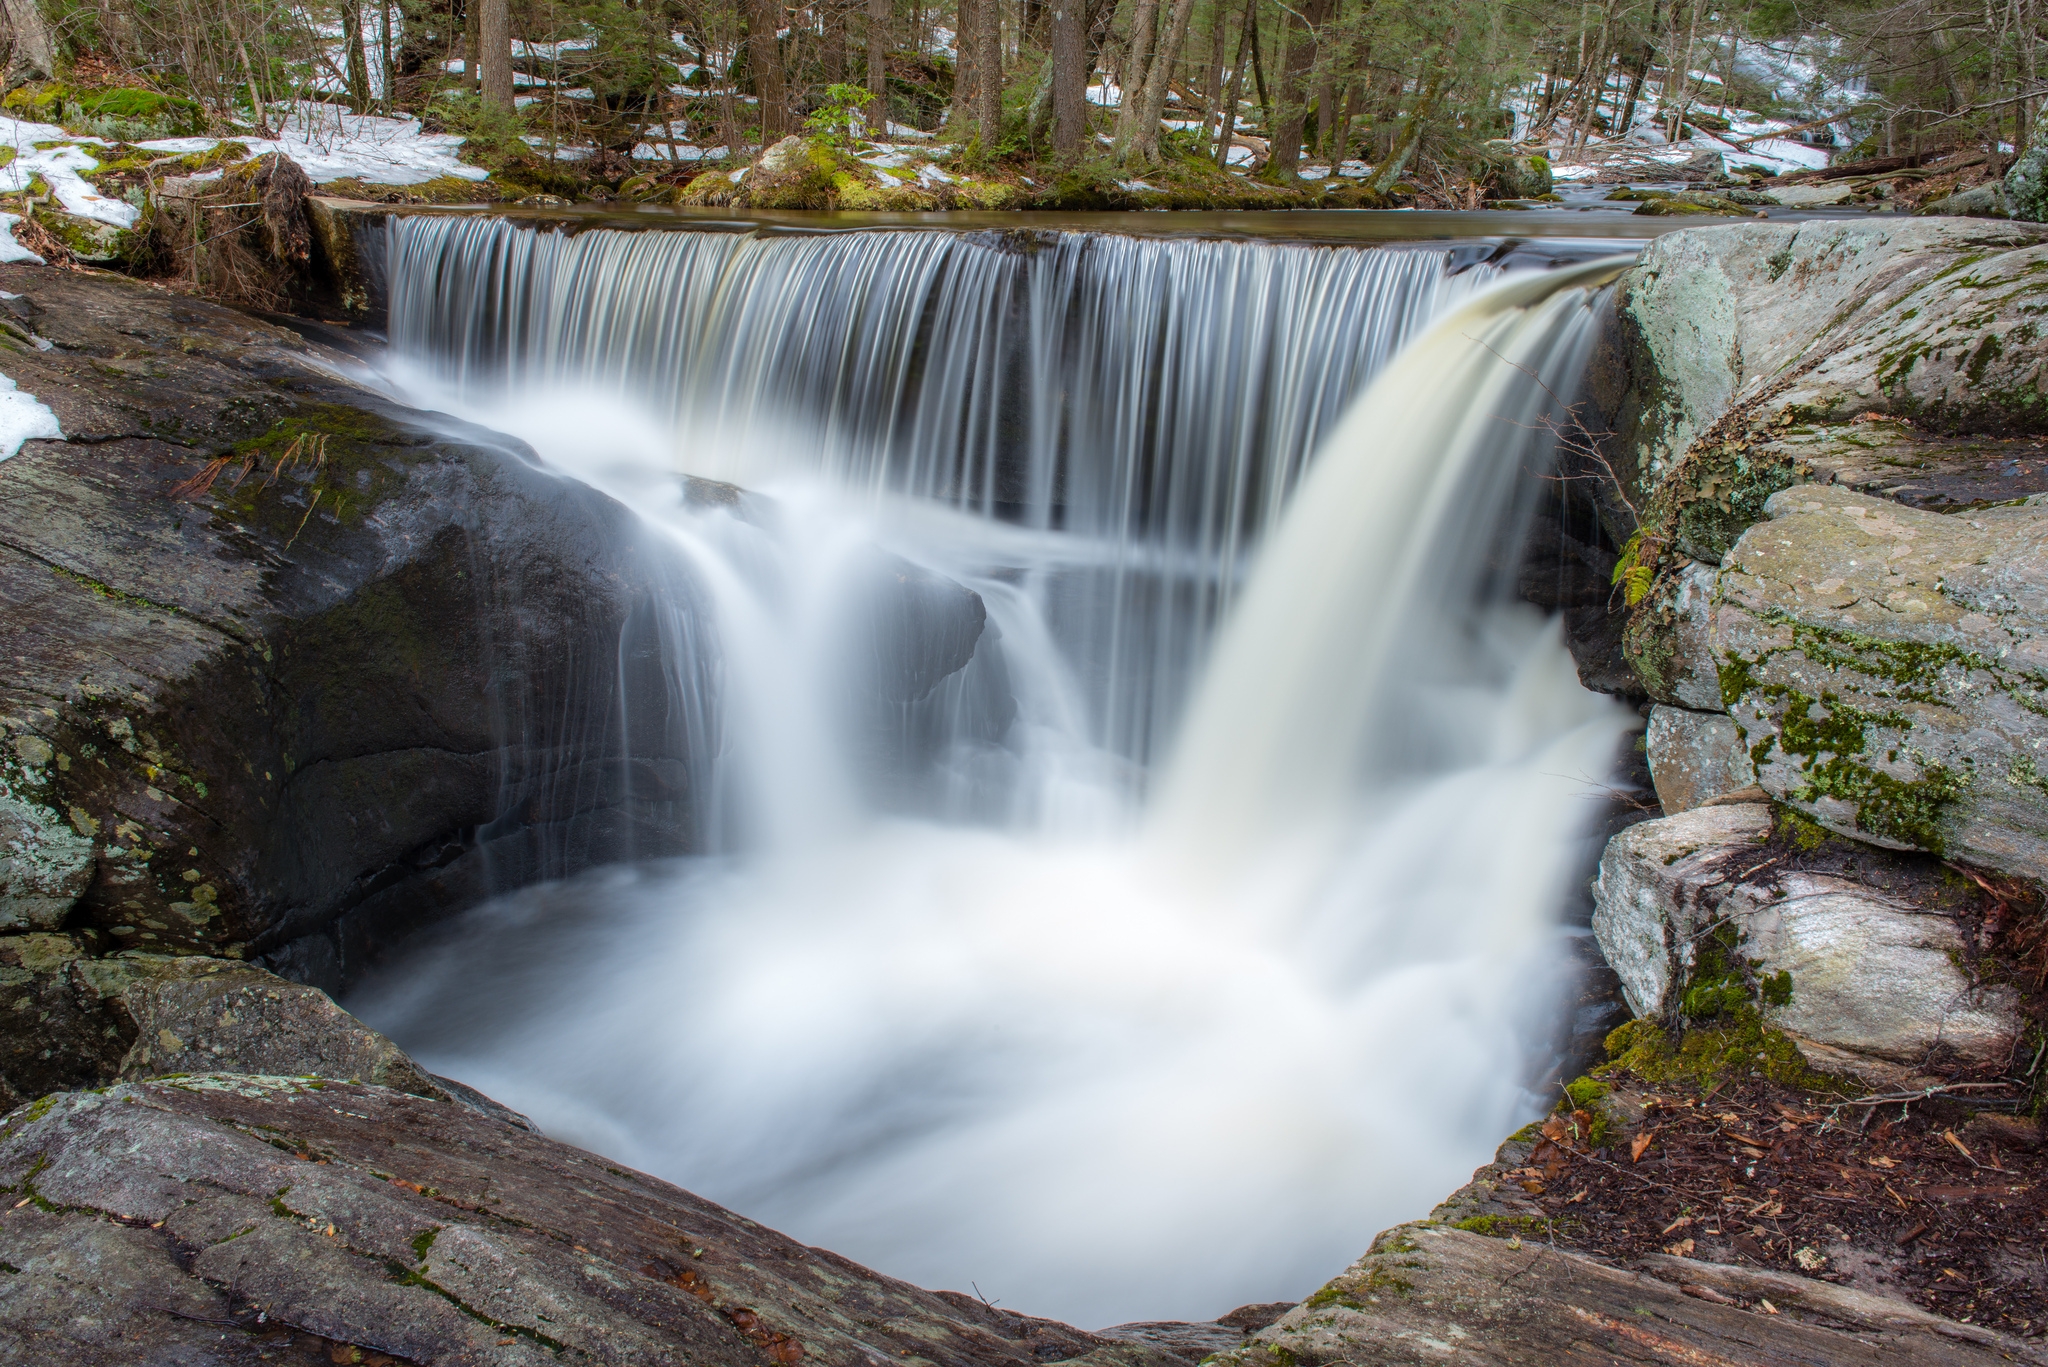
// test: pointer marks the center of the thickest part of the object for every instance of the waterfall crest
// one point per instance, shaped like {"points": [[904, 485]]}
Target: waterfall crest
{"points": [[1149, 403], [1153, 1061]]}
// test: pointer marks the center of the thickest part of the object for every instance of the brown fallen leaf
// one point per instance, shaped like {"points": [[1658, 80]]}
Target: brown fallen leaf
{"points": [[1682, 1249], [1640, 1145], [1680, 1223]]}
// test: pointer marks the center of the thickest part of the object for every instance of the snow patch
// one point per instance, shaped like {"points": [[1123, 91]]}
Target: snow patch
{"points": [[10, 250], [661, 151], [333, 144], [23, 417], [59, 165]]}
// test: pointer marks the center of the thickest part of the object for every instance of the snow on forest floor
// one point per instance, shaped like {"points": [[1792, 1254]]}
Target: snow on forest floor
{"points": [[333, 144]]}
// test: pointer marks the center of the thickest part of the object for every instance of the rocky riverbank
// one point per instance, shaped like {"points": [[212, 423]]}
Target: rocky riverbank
{"points": [[1816, 457], [251, 732]]}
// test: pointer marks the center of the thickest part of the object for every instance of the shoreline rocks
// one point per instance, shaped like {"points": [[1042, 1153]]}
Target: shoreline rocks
{"points": [[1697, 916], [1889, 668], [358, 1218]]}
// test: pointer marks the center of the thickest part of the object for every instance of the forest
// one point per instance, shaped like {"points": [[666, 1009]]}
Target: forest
{"points": [[1266, 87]]}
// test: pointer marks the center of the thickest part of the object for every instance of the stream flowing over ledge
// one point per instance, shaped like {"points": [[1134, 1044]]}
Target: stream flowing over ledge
{"points": [[381, 683]]}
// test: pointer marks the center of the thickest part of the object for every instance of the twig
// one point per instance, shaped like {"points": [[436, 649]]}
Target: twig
{"points": [[307, 518], [1891, 1098], [1582, 441]]}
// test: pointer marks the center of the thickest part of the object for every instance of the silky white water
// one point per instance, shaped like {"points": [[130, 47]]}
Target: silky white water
{"points": [[968, 998]]}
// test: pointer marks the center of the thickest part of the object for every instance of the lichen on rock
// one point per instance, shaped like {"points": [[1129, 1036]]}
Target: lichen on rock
{"points": [[1889, 668]]}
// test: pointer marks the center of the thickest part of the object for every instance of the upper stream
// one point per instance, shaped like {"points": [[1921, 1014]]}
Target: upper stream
{"points": [[1132, 936]]}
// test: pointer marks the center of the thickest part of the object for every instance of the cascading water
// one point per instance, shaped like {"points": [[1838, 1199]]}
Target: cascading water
{"points": [[1008, 1020], [1152, 401]]}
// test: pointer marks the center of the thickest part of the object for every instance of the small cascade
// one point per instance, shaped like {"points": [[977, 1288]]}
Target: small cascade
{"points": [[1103, 1052], [1148, 403]]}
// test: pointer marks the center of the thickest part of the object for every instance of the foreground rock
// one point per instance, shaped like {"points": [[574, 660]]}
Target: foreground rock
{"points": [[295, 669], [1429, 1293], [191, 1219], [1697, 917], [1891, 667]]}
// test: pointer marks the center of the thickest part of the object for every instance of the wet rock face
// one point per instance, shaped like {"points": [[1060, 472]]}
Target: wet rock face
{"points": [[143, 1015], [381, 1222], [1889, 670], [1695, 758], [1926, 318], [287, 655], [1660, 881], [1865, 973], [1431, 1293], [298, 670]]}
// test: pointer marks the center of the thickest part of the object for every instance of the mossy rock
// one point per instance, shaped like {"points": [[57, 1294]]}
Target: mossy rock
{"points": [[710, 189], [882, 194], [1354, 197], [1505, 174], [439, 190], [1677, 206], [793, 174], [988, 194], [86, 239], [1730, 1047], [123, 115]]}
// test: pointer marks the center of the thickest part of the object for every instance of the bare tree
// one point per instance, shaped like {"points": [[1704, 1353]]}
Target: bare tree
{"points": [[1302, 28], [988, 70], [494, 52], [1069, 77], [1144, 144], [764, 55], [1226, 129], [35, 48], [1131, 73]]}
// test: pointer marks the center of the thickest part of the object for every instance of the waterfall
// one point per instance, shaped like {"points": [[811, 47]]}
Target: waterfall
{"points": [[1102, 1051], [1150, 401]]}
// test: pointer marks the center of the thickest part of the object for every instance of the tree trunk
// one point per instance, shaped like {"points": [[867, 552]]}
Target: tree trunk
{"points": [[494, 60], [1259, 72], [1635, 90], [1226, 131], [35, 47], [1326, 116], [1301, 28], [1212, 81], [966, 18], [1131, 78], [1410, 136], [764, 55], [832, 49], [385, 65], [1144, 147], [988, 72], [878, 65], [358, 60], [1069, 78], [258, 106], [472, 45]]}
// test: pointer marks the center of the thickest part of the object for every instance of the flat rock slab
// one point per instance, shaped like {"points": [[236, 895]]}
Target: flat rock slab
{"points": [[1889, 668], [185, 1220], [1872, 979], [1938, 474], [1430, 1294], [1696, 758]]}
